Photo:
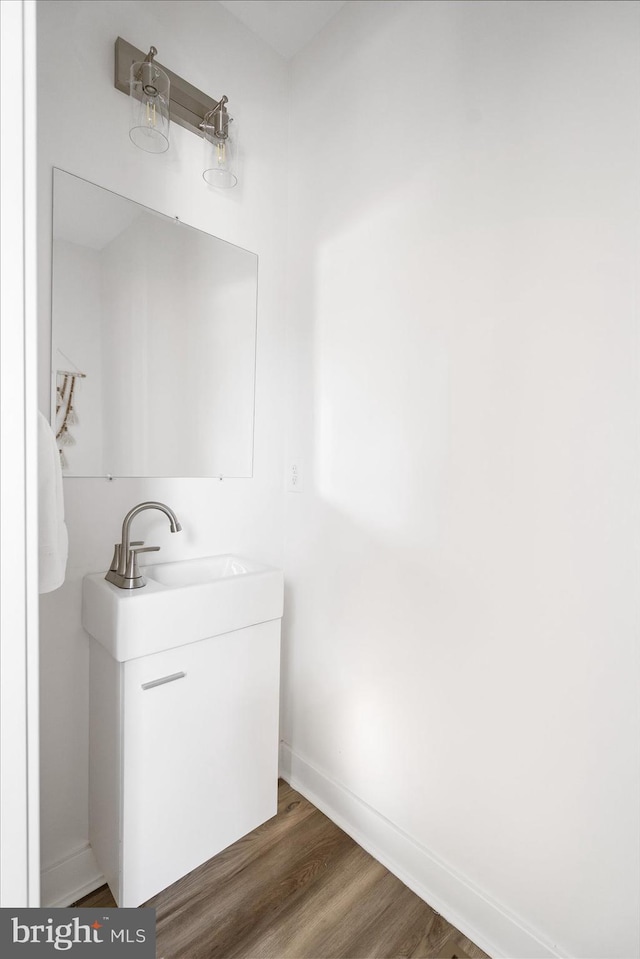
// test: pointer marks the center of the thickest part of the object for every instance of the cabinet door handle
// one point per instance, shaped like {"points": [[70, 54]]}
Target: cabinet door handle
{"points": [[165, 679]]}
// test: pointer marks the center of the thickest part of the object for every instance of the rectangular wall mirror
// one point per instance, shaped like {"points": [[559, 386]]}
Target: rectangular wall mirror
{"points": [[153, 341]]}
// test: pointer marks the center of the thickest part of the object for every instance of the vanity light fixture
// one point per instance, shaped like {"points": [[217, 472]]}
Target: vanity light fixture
{"points": [[152, 108]]}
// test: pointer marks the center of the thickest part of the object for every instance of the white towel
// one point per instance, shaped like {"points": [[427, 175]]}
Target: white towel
{"points": [[53, 540]]}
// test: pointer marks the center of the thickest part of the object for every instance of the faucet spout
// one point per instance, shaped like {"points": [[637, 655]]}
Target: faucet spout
{"points": [[126, 574], [174, 526]]}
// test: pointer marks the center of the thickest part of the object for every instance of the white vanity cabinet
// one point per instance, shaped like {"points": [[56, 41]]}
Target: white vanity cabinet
{"points": [[183, 755]]}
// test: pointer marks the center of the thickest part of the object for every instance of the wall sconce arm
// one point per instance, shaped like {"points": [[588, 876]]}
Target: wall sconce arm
{"points": [[217, 120]]}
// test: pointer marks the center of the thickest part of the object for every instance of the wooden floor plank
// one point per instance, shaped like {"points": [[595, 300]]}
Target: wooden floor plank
{"points": [[98, 899], [222, 910], [372, 925], [297, 888], [306, 928]]}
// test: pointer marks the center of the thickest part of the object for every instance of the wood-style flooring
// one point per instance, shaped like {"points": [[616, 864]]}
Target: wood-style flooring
{"points": [[296, 888]]}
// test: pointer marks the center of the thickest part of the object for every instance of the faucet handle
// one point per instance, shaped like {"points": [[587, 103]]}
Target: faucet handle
{"points": [[115, 562], [132, 563], [117, 553]]}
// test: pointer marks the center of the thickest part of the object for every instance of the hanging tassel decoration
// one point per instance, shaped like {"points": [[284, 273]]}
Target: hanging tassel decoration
{"points": [[61, 392], [65, 438], [64, 409]]}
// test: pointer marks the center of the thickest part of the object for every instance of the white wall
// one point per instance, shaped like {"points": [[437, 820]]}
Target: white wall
{"points": [[461, 664], [83, 128]]}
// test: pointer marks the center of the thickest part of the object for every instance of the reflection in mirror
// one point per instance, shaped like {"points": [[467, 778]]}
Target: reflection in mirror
{"points": [[153, 341]]}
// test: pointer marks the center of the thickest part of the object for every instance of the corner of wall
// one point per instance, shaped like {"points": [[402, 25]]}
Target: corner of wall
{"points": [[71, 878], [488, 924]]}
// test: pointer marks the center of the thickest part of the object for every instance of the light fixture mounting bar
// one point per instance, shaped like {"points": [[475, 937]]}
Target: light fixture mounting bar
{"points": [[188, 106]]}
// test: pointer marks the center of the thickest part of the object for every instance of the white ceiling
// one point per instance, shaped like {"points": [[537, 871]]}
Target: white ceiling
{"points": [[286, 25]]}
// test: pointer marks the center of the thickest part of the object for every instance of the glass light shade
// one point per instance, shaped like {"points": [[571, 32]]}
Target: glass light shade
{"points": [[149, 94], [220, 160]]}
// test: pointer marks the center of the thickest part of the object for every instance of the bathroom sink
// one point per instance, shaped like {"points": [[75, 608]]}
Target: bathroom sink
{"points": [[194, 571], [182, 602]]}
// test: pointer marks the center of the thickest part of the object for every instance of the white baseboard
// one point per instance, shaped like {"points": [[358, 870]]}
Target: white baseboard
{"points": [[488, 924], [70, 879]]}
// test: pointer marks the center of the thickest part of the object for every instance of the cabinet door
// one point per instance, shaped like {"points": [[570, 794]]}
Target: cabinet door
{"points": [[200, 754]]}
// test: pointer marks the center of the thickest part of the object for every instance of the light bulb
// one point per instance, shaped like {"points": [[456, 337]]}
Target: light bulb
{"points": [[150, 104]]}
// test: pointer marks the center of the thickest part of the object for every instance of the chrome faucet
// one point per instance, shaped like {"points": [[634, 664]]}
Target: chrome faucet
{"points": [[124, 571]]}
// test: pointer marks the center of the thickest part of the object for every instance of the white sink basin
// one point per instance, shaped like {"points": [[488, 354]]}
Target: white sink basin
{"points": [[194, 571], [182, 603]]}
